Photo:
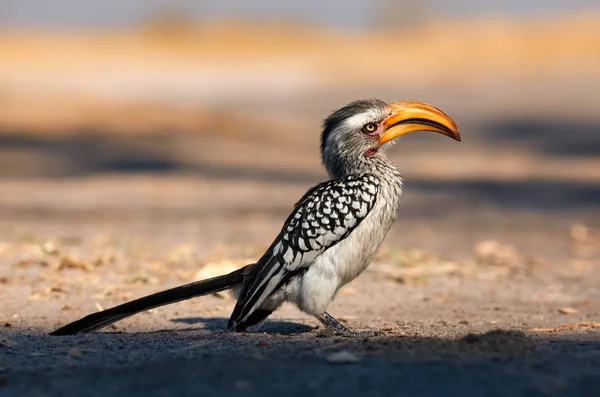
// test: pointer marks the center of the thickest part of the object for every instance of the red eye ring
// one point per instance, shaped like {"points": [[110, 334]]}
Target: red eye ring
{"points": [[370, 128]]}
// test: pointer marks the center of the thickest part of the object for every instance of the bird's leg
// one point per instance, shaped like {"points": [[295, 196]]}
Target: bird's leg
{"points": [[332, 324]]}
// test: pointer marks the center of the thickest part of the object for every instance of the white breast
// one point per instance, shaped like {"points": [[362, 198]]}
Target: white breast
{"points": [[343, 262]]}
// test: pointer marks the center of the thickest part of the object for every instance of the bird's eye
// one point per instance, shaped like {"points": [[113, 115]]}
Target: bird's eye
{"points": [[370, 128]]}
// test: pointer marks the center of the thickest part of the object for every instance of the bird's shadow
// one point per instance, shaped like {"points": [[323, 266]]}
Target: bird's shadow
{"points": [[282, 327]]}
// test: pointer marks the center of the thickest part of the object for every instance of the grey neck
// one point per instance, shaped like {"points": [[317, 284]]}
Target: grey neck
{"points": [[377, 164]]}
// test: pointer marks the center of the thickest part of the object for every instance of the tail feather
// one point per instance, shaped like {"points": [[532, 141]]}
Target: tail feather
{"points": [[106, 317]]}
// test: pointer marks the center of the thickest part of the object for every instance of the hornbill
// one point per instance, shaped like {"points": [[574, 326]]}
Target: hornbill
{"points": [[333, 232]]}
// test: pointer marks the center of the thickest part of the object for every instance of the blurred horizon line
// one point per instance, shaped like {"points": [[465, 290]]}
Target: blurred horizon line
{"points": [[174, 22], [356, 15]]}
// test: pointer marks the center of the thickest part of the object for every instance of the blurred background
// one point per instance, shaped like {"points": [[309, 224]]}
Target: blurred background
{"points": [[197, 122], [149, 143]]}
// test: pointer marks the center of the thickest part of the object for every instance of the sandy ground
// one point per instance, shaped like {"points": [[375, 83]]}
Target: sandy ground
{"points": [[487, 284], [516, 315], [500, 321]]}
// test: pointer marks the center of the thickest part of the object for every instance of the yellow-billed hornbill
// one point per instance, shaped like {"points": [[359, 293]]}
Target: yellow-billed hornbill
{"points": [[331, 235]]}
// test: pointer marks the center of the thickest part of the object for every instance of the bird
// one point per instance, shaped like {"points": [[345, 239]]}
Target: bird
{"points": [[332, 234]]}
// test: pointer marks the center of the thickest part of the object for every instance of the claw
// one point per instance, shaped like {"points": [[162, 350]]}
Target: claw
{"points": [[332, 325]]}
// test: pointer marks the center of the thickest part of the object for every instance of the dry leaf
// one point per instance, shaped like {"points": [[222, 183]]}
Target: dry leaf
{"points": [[68, 262], [49, 248], [589, 324], [568, 310], [542, 330], [493, 253], [567, 326]]}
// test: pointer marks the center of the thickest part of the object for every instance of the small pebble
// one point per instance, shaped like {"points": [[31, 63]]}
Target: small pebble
{"points": [[342, 357]]}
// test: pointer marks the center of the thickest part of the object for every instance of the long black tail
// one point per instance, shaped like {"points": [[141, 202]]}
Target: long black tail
{"points": [[106, 317]]}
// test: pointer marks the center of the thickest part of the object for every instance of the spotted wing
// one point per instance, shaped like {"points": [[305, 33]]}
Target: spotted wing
{"points": [[324, 216]]}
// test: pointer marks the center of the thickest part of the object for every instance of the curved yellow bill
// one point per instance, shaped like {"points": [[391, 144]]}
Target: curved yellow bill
{"points": [[407, 117]]}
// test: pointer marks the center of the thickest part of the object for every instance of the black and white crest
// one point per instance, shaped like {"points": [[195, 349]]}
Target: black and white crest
{"points": [[346, 112]]}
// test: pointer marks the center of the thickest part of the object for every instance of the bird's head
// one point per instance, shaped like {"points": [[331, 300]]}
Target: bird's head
{"points": [[358, 134]]}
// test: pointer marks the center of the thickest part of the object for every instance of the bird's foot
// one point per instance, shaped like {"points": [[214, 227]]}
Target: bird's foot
{"points": [[334, 327], [360, 334]]}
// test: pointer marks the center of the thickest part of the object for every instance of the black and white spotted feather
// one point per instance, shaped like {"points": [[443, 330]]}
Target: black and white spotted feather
{"points": [[324, 216]]}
